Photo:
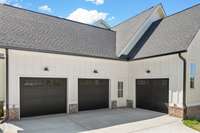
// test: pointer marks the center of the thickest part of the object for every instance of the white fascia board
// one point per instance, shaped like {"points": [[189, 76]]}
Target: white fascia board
{"points": [[163, 11], [143, 28]]}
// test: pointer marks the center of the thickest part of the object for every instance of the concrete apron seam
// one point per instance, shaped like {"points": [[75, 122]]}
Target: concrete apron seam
{"points": [[168, 123], [78, 124]]}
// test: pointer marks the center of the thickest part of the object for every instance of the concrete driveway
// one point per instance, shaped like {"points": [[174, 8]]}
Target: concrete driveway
{"points": [[104, 121]]}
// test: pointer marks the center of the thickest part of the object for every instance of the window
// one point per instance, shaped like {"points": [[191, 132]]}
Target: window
{"points": [[142, 82], [192, 82], [120, 89], [33, 83], [192, 75]]}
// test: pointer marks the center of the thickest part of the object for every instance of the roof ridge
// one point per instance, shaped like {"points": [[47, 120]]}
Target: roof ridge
{"points": [[137, 15], [53, 16], [186, 9]]}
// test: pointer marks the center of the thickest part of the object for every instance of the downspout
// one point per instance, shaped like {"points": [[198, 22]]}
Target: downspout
{"points": [[184, 85], [7, 99]]}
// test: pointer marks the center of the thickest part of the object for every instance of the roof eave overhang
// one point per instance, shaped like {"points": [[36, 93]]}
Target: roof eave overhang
{"points": [[160, 55]]}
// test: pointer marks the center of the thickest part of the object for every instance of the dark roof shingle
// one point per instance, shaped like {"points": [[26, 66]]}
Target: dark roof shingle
{"points": [[25, 29], [126, 30], [173, 34]]}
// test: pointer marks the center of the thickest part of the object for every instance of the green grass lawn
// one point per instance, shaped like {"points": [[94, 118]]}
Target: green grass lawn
{"points": [[195, 124]]}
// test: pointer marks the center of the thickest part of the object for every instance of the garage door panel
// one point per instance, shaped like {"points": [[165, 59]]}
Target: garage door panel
{"points": [[93, 93], [152, 94], [42, 96]]}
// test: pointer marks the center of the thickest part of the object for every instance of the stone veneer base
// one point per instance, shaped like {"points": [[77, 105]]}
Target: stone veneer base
{"points": [[176, 111], [14, 114], [114, 104], [73, 108], [193, 112], [129, 103]]}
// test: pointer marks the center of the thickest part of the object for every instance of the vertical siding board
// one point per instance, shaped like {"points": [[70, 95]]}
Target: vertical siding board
{"points": [[31, 64], [192, 56], [160, 67]]}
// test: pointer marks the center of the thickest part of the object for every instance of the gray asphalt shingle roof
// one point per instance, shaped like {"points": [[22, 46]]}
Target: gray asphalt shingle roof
{"points": [[126, 30], [23, 29], [173, 34]]}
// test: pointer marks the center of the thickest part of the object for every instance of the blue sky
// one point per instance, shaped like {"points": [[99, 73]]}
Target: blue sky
{"points": [[88, 11]]}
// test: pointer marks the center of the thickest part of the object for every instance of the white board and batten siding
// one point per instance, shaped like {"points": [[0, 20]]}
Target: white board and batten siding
{"points": [[193, 57], [32, 64], [2, 74], [170, 67]]}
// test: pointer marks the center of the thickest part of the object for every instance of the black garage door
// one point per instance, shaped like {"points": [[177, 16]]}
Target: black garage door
{"points": [[42, 96], [152, 94], [93, 94]]}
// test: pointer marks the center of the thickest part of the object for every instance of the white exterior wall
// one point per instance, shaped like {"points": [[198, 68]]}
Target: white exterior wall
{"points": [[161, 67], [2, 76], [193, 56], [31, 64]]}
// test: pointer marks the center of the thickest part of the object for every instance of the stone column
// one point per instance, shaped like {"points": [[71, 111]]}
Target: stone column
{"points": [[129, 103], [113, 104], [176, 111], [73, 108], [14, 113]]}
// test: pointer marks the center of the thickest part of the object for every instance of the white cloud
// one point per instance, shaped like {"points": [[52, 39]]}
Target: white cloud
{"points": [[97, 2], [45, 8], [111, 18], [87, 16], [4, 1], [17, 5], [13, 2]]}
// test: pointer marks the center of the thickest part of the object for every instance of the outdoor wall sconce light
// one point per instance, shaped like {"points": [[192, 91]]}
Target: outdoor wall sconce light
{"points": [[148, 71], [46, 69], [95, 71]]}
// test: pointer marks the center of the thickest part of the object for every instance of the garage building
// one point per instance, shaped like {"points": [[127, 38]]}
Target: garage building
{"points": [[51, 65]]}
